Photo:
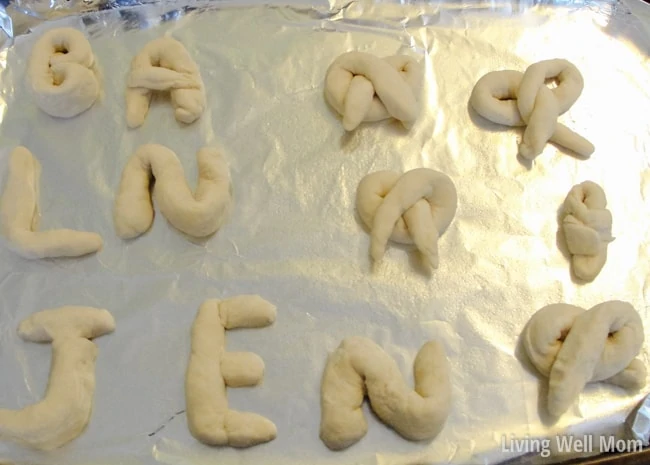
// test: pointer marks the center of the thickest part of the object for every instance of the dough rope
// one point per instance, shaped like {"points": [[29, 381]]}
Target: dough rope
{"points": [[64, 411], [573, 347], [362, 87], [587, 227], [61, 72], [211, 369], [164, 65], [359, 366], [515, 99], [20, 216], [413, 208], [197, 214]]}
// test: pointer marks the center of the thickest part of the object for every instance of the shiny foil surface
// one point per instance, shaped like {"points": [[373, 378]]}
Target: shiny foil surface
{"points": [[294, 237]]}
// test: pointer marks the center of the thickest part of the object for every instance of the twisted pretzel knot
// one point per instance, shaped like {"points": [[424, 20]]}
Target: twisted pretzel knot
{"points": [[362, 87], [164, 65], [587, 226], [61, 73], [411, 208], [515, 99], [573, 347]]}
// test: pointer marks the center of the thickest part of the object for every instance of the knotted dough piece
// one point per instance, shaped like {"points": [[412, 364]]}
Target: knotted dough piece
{"points": [[587, 226], [211, 369], [197, 214], [515, 99], [65, 410], [362, 87], [573, 347], [62, 73], [164, 65], [359, 367], [20, 216], [411, 208]]}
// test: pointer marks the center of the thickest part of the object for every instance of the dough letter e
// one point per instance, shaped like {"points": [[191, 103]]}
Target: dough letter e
{"points": [[211, 369]]}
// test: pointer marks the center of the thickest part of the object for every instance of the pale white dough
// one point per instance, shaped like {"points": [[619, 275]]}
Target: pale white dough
{"points": [[587, 227], [362, 87], [164, 65], [69, 321], [359, 367], [66, 407], [211, 369], [515, 99], [411, 208], [62, 73], [197, 214], [19, 215], [573, 347]]}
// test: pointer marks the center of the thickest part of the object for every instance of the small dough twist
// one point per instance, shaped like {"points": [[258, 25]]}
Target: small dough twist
{"points": [[587, 226], [62, 74], [197, 214], [573, 347], [20, 216], [362, 87], [413, 208], [164, 65], [211, 369], [359, 367], [64, 411], [515, 99]]}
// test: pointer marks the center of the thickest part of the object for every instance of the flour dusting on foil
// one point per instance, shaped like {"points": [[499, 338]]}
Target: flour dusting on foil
{"points": [[294, 237]]}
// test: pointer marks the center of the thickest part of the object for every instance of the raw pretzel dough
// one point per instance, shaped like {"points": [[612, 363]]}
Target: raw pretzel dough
{"points": [[573, 347], [362, 87], [198, 215], [164, 65], [65, 410], [20, 215], [587, 226], [360, 366], [70, 321], [515, 99], [415, 207], [211, 369], [61, 72]]}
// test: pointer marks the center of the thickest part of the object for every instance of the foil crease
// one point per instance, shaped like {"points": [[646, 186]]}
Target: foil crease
{"points": [[294, 237]]}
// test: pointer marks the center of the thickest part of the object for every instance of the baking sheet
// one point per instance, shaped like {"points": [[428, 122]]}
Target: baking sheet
{"points": [[294, 237]]}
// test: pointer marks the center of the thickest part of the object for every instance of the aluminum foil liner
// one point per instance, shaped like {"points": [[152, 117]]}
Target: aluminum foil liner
{"points": [[294, 237]]}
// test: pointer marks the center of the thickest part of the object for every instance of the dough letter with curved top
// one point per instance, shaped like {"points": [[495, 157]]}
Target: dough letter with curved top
{"points": [[515, 99], [211, 369], [364, 88], [62, 73], [587, 227], [197, 214], [573, 347], [64, 411], [164, 64], [411, 208], [359, 367], [19, 214]]}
